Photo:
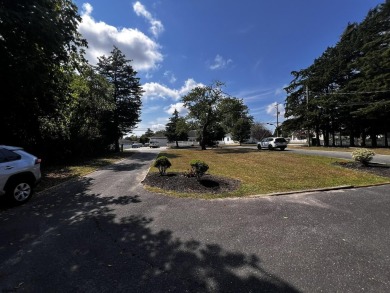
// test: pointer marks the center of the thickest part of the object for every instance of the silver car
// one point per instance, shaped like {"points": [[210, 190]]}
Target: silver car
{"points": [[272, 143], [19, 173]]}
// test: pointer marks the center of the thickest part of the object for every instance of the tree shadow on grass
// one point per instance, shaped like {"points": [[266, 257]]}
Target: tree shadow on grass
{"points": [[235, 151], [71, 240]]}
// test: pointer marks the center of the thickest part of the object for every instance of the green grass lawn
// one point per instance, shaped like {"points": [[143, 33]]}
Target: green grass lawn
{"points": [[269, 171]]}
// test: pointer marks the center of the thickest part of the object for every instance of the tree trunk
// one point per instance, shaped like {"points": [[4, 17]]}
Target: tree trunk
{"points": [[351, 139], [363, 144], [386, 142], [177, 144], [318, 135], [117, 149], [326, 136], [373, 140]]}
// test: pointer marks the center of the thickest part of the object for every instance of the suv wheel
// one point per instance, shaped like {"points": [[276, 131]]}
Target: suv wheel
{"points": [[282, 148], [19, 191], [270, 147], [259, 147]]}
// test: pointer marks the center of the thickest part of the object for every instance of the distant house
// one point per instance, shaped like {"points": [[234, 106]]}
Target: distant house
{"points": [[192, 135], [228, 139], [162, 140]]}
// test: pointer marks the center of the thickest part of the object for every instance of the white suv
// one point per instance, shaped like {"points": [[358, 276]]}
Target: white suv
{"points": [[19, 173], [272, 143]]}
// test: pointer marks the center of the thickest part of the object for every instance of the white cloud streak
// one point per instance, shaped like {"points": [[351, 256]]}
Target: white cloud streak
{"points": [[220, 63], [156, 27]]}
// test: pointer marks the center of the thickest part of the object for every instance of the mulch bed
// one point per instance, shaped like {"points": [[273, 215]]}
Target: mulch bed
{"points": [[180, 183], [377, 169]]}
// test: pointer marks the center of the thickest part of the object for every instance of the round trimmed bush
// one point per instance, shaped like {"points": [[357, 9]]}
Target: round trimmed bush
{"points": [[199, 168], [363, 156], [162, 163]]}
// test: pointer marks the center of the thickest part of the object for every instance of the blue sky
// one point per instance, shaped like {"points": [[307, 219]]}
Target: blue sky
{"points": [[250, 45]]}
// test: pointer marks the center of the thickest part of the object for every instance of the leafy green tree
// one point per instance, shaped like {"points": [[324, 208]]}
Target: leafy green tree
{"points": [[127, 93], [241, 130], [176, 129], [149, 133], [213, 114], [160, 133], [231, 110], [39, 48], [202, 103], [92, 95], [144, 139]]}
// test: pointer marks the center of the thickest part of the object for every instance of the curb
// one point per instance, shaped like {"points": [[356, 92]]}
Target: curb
{"points": [[302, 191], [316, 190]]}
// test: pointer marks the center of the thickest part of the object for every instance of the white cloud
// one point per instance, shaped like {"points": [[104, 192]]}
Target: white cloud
{"points": [[155, 90], [101, 38], [281, 91], [170, 76], [156, 26], [220, 62], [271, 109], [158, 126], [179, 107]]}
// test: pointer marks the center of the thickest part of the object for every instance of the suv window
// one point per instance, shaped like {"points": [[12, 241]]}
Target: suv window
{"points": [[270, 139], [280, 140], [8, 156]]}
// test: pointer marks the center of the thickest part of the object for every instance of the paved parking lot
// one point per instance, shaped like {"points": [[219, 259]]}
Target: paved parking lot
{"points": [[106, 233]]}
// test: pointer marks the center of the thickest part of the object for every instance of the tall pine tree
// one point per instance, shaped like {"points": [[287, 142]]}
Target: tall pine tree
{"points": [[176, 129], [127, 93]]}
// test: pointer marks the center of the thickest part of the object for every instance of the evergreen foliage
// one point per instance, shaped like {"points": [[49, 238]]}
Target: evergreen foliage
{"points": [[57, 105], [346, 89], [127, 93], [176, 129]]}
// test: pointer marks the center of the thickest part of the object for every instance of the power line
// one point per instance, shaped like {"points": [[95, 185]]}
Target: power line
{"points": [[351, 93]]}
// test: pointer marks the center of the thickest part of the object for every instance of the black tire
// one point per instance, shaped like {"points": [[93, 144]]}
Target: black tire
{"points": [[270, 147], [282, 149], [259, 147], [19, 191]]}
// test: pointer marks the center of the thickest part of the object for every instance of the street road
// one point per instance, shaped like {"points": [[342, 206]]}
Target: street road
{"points": [[384, 159], [105, 233]]}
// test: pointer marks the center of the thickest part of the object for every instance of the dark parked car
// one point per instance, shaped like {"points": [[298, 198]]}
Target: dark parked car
{"points": [[19, 173]]}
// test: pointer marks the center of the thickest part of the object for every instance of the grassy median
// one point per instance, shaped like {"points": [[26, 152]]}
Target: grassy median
{"points": [[264, 172]]}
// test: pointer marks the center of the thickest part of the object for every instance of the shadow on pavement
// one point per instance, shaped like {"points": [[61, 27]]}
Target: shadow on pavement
{"points": [[73, 241]]}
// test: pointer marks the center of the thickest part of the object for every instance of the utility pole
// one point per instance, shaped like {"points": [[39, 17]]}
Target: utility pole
{"points": [[307, 113], [277, 119]]}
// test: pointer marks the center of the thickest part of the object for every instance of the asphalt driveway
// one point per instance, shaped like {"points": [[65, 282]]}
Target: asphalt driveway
{"points": [[105, 233]]}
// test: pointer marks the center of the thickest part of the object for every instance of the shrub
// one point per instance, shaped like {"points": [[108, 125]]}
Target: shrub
{"points": [[162, 163], [363, 156], [199, 168]]}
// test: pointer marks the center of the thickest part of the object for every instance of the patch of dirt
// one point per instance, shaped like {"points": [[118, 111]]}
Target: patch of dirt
{"points": [[180, 183], [377, 169]]}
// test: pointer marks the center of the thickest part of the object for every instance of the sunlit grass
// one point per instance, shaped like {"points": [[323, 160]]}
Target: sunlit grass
{"points": [[264, 172]]}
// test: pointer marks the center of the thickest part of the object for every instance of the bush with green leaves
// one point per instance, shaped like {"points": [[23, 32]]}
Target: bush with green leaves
{"points": [[199, 168], [363, 156], [162, 163]]}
